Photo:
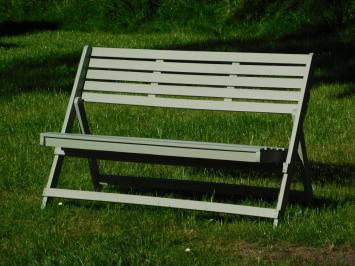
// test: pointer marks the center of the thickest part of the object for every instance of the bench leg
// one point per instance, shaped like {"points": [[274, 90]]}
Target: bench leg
{"points": [[283, 196], [306, 175], [94, 172], [53, 176], [85, 129]]}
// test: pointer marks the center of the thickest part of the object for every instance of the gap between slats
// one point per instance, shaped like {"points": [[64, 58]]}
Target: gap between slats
{"points": [[291, 83], [292, 71], [193, 91]]}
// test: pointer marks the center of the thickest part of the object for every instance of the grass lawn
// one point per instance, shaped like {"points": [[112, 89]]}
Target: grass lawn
{"points": [[36, 74]]}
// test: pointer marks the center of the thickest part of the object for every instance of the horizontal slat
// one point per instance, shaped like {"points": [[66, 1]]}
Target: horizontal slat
{"points": [[291, 83], [157, 142], [193, 91], [160, 150], [201, 56], [162, 202], [161, 147], [191, 104], [198, 67]]}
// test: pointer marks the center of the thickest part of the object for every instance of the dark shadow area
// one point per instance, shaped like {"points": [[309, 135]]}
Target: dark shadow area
{"points": [[233, 194], [347, 93], [322, 173], [271, 172], [195, 188], [19, 28], [334, 58], [54, 73], [340, 174]]}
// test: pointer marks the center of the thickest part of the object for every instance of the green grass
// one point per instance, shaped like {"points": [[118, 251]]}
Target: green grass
{"points": [[36, 73]]}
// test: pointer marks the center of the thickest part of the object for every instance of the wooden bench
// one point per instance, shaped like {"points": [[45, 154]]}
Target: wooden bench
{"points": [[224, 81]]}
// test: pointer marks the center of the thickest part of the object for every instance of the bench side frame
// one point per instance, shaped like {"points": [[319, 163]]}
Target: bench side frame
{"points": [[297, 146], [68, 123]]}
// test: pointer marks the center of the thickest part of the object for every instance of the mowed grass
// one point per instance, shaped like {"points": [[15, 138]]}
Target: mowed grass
{"points": [[36, 74]]}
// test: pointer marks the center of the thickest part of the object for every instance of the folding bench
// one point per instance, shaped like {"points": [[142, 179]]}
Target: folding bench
{"points": [[223, 81]]}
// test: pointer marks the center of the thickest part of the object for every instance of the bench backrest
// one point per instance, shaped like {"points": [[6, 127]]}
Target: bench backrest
{"points": [[228, 81], [247, 82]]}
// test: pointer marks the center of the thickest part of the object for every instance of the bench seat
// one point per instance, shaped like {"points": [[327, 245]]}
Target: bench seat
{"points": [[163, 147]]}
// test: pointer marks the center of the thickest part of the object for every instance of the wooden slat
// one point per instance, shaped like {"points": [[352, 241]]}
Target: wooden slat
{"points": [[291, 83], [164, 147], [201, 56], [193, 91], [156, 142], [157, 150], [160, 201], [197, 67], [280, 108]]}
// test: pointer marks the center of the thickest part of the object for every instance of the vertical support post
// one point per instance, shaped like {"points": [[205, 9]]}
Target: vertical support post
{"points": [[85, 129], [236, 64], [53, 175], [69, 118], [283, 194], [157, 73], [306, 175], [77, 89]]}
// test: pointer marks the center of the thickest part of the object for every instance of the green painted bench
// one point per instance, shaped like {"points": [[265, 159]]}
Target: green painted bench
{"points": [[224, 81]]}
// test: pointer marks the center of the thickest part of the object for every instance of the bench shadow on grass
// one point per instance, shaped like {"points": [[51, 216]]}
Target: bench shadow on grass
{"points": [[322, 173], [266, 200], [337, 174], [340, 175]]}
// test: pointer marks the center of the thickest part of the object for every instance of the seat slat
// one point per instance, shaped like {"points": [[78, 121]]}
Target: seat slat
{"points": [[197, 67], [163, 147], [291, 83], [201, 56], [185, 152], [277, 95], [281, 108], [156, 142]]}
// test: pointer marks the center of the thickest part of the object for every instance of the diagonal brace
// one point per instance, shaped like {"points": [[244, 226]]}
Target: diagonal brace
{"points": [[85, 129]]}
